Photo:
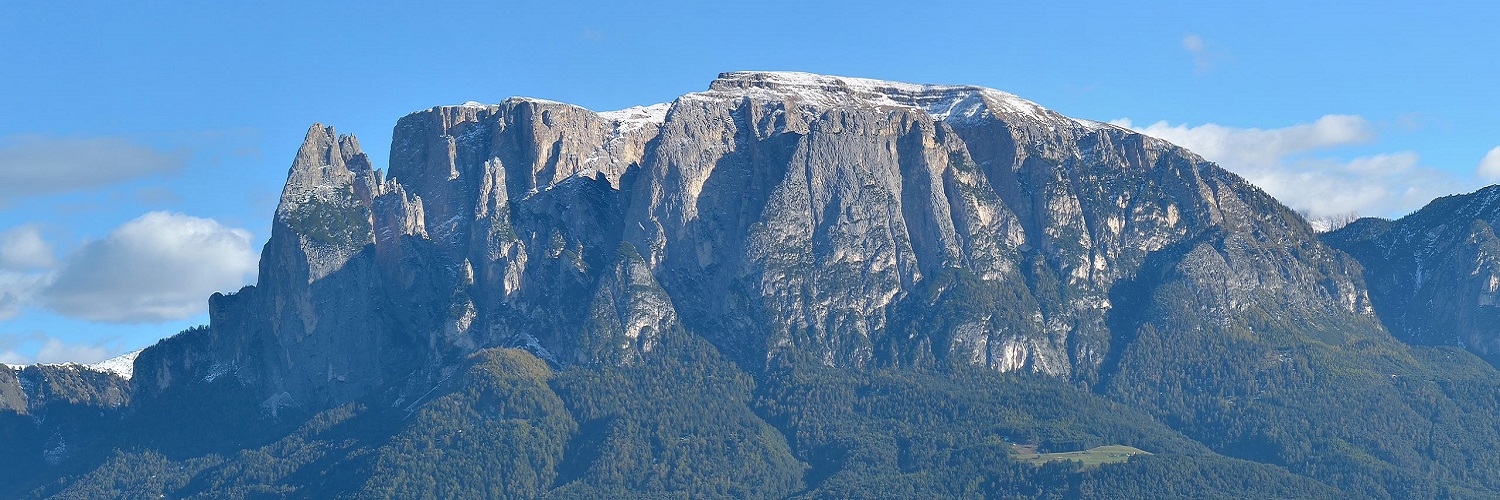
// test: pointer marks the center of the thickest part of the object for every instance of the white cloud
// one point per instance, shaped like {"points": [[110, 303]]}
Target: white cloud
{"points": [[24, 261], [52, 350], [11, 357], [35, 164], [22, 248], [1278, 161], [9, 343], [57, 351], [1489, 167], [159, 267], [1252, 146], [1203, 58], [1193, 43], [16, 290]]}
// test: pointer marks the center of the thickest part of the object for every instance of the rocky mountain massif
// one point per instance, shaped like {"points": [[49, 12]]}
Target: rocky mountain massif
{"points": [[796, 284], [775, 215]]}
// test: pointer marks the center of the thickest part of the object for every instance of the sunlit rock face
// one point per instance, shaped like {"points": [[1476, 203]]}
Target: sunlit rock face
{"points": [[781, 216]]}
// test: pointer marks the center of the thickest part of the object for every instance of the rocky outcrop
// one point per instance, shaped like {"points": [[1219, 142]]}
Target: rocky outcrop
{"points": [[1435, 274], [844, 221], [320, 326]]}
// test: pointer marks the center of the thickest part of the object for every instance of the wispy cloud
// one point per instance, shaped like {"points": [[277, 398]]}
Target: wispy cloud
{"points": [[25, 263], [23, 249], [8, 350], [38, 165], [57, 351], [53, 350], [1204, 58], [1282, 162], [1489, 166], [1193, 43], [17, 290]]}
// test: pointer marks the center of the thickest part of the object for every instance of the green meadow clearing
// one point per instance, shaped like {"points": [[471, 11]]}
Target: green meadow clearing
{"points": [[1091, 457]]}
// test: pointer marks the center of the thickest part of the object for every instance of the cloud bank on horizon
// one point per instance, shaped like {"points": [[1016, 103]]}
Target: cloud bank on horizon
{"points": [[158, 267], [155, 269], [1291, 164]]}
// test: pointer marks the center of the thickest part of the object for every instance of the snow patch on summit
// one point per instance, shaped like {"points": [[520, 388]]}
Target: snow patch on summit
{"points": [[638, 117], [122, 365], [942, 102]]}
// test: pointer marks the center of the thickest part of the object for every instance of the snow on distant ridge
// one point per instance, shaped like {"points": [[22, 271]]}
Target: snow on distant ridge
{"points": [[537, 100], [122, 365], [943, 102], [653, 113], [636, 117], [480, 105]]}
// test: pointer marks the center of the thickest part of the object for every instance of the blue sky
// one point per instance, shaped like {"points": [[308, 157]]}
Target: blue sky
{"points": [[144, 144]]}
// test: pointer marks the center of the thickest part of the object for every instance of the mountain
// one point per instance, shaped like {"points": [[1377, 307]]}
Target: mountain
{"points": [[789, 284], [777, 215], [1435, 274], [48, 412]]}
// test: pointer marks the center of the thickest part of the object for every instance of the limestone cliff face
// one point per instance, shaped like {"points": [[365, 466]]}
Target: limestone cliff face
{"points": [[818, 216], [1435, 274], [320, 326], [779, 215]]}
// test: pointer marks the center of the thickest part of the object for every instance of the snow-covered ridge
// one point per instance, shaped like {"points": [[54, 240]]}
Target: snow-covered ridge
{"points": [[636, 117], [122, 365], [536, 100], [943, 102], [480, 105], [627, 120]]}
